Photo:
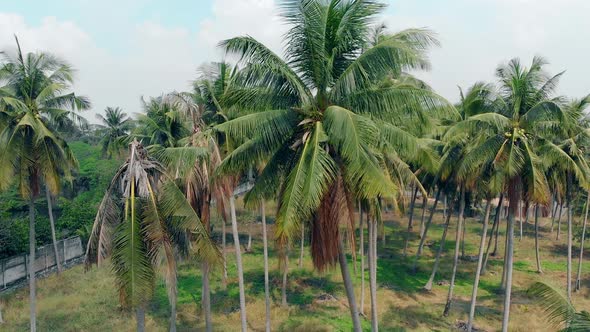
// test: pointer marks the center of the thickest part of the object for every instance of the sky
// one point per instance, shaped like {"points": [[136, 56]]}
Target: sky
{"points": [[125, 49]]}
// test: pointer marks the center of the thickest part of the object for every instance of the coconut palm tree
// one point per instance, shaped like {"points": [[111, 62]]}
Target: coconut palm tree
{"points": [[197, 173], [34, 88], [211, 90], [578, 282], [322, 112], [144, 221], [478, 99], [510, 139], [116, 125], [161, 123], [567, 156]]}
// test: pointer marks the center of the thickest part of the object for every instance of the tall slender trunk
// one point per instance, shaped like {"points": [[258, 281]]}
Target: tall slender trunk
{"points": [[444, 205], [223, 254], [302, 248], [411, 212], [140, 318], [410, 218], [206, 302], [463, 231], [285, 275], [441, 247], [373, 273], [537, 254], [504, 267], [205, 273], [554, 216], [496, 235], [423, 238], [580, 257], [32, 286], [569, 239], [495, 227], [558, 221], [362, 254], [249, 245], [424, 206], [553, 206], [520, 218], [234, 225], [53, 237], [172, 323], [527, 207], [559, 226], [456, 257], [513, 197], [482, 243], [266, 282], [349, 288]]}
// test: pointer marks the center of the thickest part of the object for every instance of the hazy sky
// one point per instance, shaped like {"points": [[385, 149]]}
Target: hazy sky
{"points": [[125, 49]]}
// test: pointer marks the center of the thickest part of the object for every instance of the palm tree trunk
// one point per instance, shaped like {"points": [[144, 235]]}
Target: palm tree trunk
{"points": [[373, 274], [495, 227], [558, 222], [223, 254], [424, 206], [172, 323], [302, 248], [362, 254], [249, 246], [140, 318], [496, 235], [52, 223], [537, 254], [482, 243], [285, 275], [456, 257], [520, 218], [579, 274], [441, 247], [411, 217], [266, 283], [444, 205], [504, 267], [569, 242], [513, 197], [463, 231], [32, 286], [206, 302], [234, 225], [527, 207], [557, 208], [348, 287], [423, 237]]}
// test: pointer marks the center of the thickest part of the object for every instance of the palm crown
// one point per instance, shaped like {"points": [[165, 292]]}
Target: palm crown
{"points": [[329, 104], [33, 90]]}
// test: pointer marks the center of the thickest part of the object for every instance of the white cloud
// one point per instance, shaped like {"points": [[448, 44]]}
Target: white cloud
{"points": [[478, 35], [156, 59], [257, 18]]}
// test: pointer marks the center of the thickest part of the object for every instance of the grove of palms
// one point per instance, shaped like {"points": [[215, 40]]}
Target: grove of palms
{"points": [[336, 128]]}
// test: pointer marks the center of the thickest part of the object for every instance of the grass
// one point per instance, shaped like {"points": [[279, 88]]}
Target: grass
{"points": [[87, 301]]}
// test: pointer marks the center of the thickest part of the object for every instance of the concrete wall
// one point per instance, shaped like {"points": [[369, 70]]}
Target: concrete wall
{"points": [[16, 268]]}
